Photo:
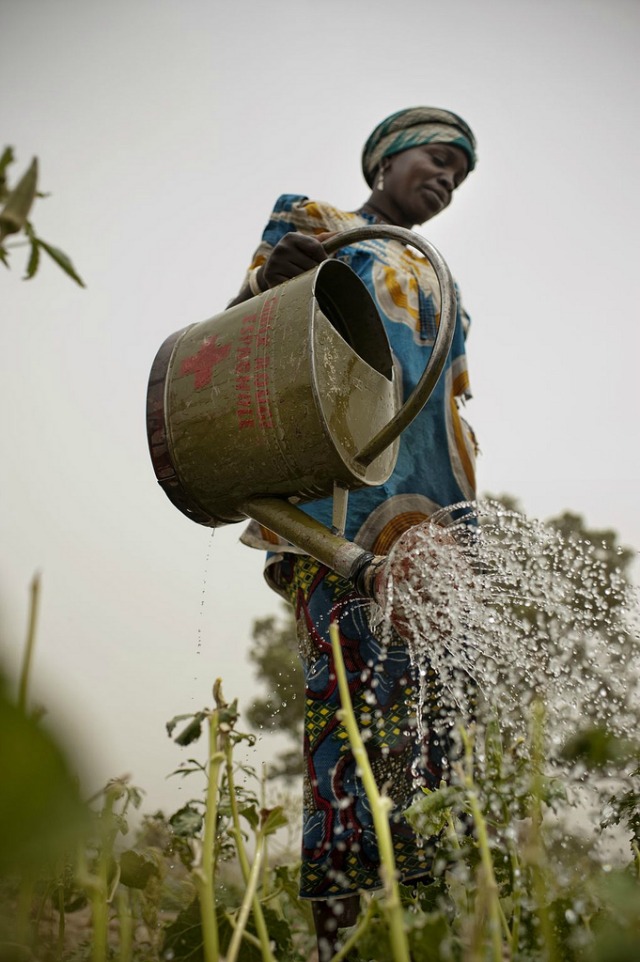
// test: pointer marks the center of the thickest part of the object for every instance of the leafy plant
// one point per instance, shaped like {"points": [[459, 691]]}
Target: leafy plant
{"points": [[17, 202]]}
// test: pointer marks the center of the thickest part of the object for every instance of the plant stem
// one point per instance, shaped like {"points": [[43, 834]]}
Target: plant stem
{"points": [[380, 807], [125, 920], [537, 861], [484, 848], [353, 939], [261, 925], [204, 876], [29, 644], [252, 884]]}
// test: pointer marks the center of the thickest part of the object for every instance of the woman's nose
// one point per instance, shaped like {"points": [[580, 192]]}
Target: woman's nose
{"points": [[445, 177]]}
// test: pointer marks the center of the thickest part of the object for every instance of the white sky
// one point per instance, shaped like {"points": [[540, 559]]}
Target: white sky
{"points": [[165, 130]]}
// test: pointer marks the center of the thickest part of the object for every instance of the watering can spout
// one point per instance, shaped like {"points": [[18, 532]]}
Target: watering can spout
{"points": [[344, 557], [290, 397]]}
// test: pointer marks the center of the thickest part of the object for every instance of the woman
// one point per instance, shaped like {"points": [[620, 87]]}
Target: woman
{"points": [[413, 162]]}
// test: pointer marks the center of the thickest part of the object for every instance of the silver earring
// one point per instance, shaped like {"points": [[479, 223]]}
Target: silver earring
{"points": [[380, 180]]}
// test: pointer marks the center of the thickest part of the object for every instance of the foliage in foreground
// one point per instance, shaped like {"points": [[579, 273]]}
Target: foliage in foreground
{"points": [[521, 869], [191, 888]]}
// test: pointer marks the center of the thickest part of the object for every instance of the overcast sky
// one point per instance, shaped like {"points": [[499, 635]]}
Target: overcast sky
{"points": [[165, 131]]}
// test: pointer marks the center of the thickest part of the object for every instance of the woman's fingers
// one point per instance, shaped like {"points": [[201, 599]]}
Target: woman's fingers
{"points": [[293, 255]]}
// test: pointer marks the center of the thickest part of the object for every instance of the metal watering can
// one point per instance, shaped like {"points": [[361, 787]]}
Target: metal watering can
{"points": [[290, 397]]}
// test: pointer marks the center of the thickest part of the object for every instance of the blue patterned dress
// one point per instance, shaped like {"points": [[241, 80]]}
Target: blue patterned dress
{"points": [[435, 469]]}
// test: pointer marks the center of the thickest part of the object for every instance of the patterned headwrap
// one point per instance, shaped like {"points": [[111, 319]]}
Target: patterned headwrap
{"points": [[412, 128]]}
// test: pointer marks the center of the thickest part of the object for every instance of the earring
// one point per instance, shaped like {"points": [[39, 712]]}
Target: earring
{"points": [[380, 180]]}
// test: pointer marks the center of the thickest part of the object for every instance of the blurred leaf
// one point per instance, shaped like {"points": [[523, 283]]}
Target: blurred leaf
{"points": [[494, 751], [183, 938], [6, 158], [273, 819], [599, 748], [63, 261], [429, 935], [136, 869], [617, 926], [34, 260], [15, 212], [192, 732], [428, 814], [187, 821], [41, 812], [251, 814]]}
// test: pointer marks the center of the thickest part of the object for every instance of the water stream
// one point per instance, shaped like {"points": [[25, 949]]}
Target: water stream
{"points": [[508, 611]]}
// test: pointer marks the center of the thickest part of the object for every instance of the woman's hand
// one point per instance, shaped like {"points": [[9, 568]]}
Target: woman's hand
{"points": [[293, 255]]}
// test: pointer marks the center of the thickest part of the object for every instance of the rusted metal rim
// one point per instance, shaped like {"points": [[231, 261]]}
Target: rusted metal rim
{"points": [[159, 449], [442, 344]]}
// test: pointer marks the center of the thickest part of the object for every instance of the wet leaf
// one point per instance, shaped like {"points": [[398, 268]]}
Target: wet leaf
{"points": [[187, 821], [429, 813], [599, 748], [428, 934]]}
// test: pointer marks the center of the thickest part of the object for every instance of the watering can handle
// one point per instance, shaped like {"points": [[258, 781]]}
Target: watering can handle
{"points": [[422, 392]]}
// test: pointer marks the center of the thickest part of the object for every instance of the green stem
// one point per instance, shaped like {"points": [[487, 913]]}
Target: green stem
{"points": [[99, 889], [516, 888], [354, 938], [265, 864], [261, 925], [482, 836], [245, 866], [538, 858], [252, 885], [203, 877], [380, 807], [125, 920], [28, 649]]}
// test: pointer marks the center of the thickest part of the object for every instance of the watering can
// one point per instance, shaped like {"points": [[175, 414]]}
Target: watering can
{"points": [[290, 397]]}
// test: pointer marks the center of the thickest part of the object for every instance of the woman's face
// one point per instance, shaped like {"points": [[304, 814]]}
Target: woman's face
{"points": [[420, 181]]}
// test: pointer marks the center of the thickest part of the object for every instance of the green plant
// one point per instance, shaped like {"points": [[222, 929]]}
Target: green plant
{"points": [[17, 202]]}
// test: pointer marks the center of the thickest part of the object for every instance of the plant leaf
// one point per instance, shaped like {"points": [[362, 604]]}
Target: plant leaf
{"points": [[192, 732], [136, 869], [63, 261], [7, 158], [186, 822], [13, 215], [272, 819], [34, 259]]}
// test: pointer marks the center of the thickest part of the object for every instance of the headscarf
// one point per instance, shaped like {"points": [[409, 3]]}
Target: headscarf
{"points": [[412, 128]]}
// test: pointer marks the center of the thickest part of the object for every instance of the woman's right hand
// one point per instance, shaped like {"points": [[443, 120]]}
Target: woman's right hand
{"points": [[294, 254]]}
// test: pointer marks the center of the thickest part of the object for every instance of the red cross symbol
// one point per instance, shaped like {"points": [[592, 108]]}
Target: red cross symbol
{"points": [[201, 365]]}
